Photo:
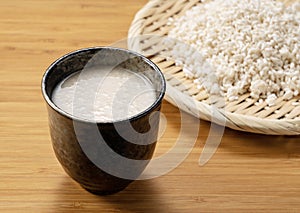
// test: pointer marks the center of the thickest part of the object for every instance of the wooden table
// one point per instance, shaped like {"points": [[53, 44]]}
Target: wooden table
{"points": [[248, 172]]}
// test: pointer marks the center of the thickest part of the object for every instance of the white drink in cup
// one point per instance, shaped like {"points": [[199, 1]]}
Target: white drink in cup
{"points": [[104, 94]]}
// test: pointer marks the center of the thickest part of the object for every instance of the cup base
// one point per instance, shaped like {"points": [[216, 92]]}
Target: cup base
{"points": [[103, 192]]}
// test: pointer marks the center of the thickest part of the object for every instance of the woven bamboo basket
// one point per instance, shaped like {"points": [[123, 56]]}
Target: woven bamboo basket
{"points": [[243, 114]]}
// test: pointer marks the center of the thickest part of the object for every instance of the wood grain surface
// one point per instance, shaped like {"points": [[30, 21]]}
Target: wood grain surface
{"points": [[248, 173]]}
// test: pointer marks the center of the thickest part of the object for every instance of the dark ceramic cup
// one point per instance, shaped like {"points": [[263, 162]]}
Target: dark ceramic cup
{"points": [[103, 157]]}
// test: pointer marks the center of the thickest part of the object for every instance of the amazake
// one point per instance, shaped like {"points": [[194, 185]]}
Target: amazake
{"points": [[104, 94]]}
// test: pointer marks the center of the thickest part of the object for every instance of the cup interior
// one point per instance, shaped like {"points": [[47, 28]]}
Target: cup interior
{"points": [[98, 57]]}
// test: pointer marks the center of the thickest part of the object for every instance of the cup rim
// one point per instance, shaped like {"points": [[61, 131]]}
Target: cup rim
{"points": [[76, 118]]}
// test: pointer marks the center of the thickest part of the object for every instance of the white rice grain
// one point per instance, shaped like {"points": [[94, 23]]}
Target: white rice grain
{"points": [[245, 46]]}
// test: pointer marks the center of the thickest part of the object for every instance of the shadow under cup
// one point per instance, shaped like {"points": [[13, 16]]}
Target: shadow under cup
{"points": [[103, 157]]}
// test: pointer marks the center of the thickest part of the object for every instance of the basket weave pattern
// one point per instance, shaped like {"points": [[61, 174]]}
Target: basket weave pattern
{"points": [[243, 114]]}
